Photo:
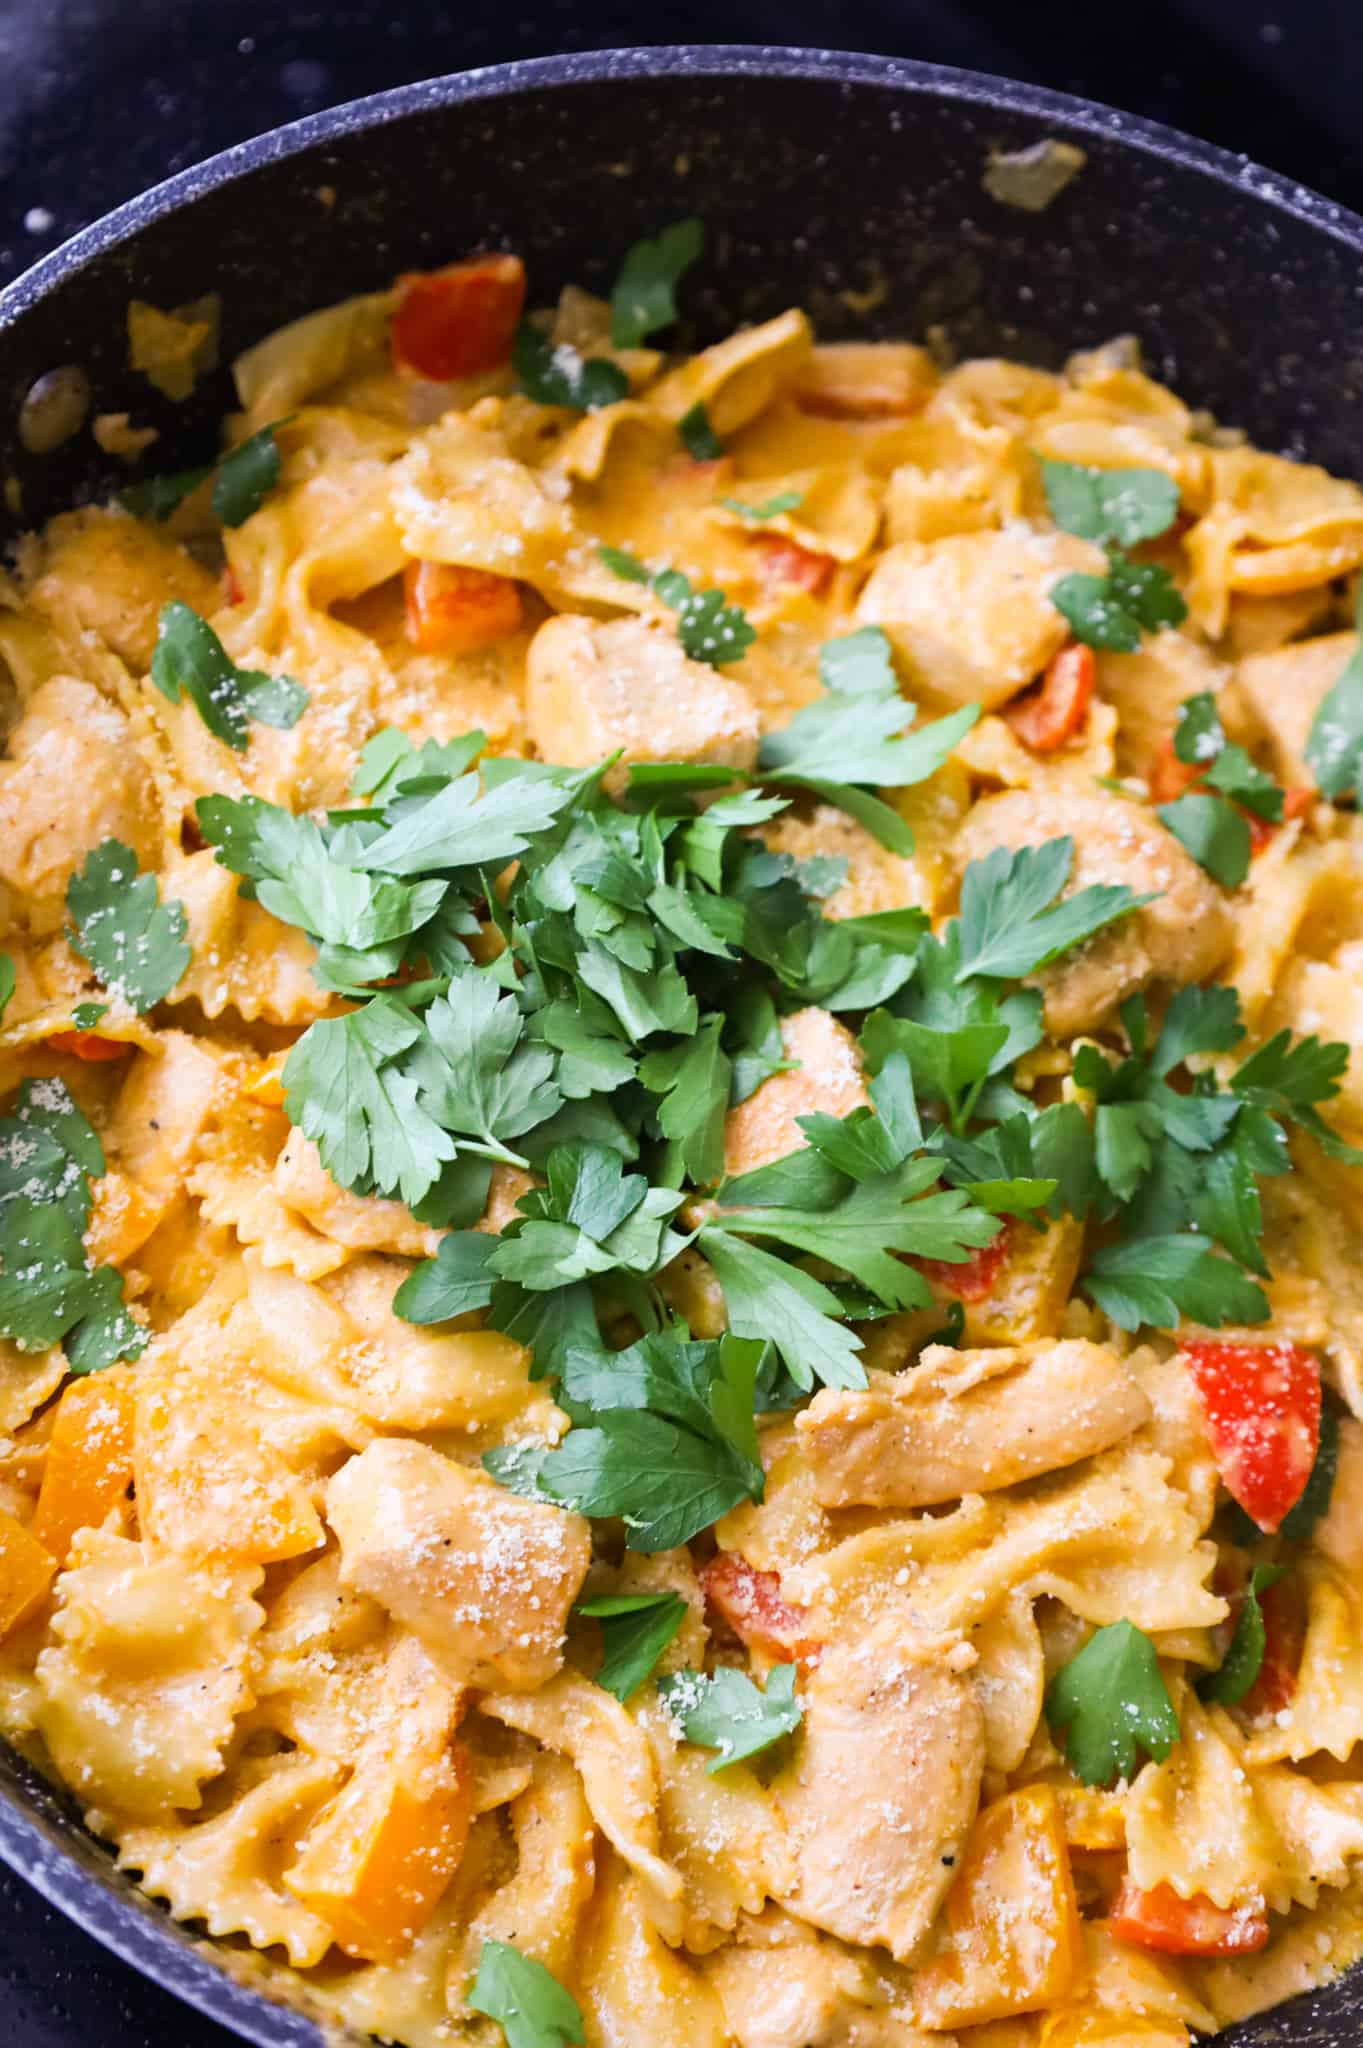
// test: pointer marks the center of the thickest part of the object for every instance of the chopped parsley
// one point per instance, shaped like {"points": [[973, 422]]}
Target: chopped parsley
{"points": [[1334, 748], [555, 373], [1235, 1676], [731, 1715], [246, 476], [635, 1630], [528, 2003], [119, 925], [1110, 1703], [697, 436], [1209, 820], [645, 294], [1116, 508], [709, 627], [191, 660], [770, 508], [242, 481]]}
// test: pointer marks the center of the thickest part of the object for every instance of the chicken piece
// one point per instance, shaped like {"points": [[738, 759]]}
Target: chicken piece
{"points": [[1283, 691], [365, 1223], [970, 615], [880, 1799], [828, 1078], [1148, 687], [783, 1986], [968, 1422], [163, 1110], [593, 689], [1182, 936], [110, 574], [471, 1569], [72, 780]]}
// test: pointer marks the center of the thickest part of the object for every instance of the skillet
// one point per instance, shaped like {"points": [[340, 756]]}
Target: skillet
{"points": [[848, 184]]}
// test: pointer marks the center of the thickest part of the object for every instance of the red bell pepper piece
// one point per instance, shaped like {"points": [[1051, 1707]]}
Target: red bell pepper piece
{"points": [[1262, 1404], [458, 322]]}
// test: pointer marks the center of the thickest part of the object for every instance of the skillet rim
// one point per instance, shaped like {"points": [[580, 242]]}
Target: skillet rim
{"points": [[78, 1877]]}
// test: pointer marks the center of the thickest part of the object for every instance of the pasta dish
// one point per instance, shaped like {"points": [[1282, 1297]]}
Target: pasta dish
{"points": [[681, 1317]]}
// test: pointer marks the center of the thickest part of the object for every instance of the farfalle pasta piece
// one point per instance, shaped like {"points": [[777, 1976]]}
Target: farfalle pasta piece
{"points": [[1194, 1821], [1273, 526], [780, 1981], [739, 377], [141, 1688], [1311, 1949], [614, 1761], [460, 496], [71, 780], [1115, 1541], [227, 1871], [344, 1334], [242, 960], [318, 1663], [540, 1908], [1325, 1715], [1010, 1681], [632, 1986], [109, 574]]}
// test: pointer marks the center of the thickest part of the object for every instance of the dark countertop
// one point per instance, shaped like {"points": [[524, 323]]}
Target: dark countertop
{"points": [[100, 98]]}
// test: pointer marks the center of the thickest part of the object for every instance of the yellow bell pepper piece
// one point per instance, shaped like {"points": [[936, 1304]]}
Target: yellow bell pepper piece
{"points": [[89, 1463], [1014, 1941], [26, 1572]]}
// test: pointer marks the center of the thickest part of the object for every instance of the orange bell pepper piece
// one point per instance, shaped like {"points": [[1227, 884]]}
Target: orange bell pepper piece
{"points": [[376, 1860], [89, 1459], [460, 321], [1161, 1920], [458, 611], [753, 1606], [1046, 717], [27, 1569], [88, 1045], [785, 565], [1015, 1941]]}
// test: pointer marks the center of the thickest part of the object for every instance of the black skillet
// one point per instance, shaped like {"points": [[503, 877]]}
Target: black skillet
{"points": [[815, 172]]}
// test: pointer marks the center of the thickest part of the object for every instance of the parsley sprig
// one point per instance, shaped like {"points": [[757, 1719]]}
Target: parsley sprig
{"points": [[1110, 1703], [709, 627], [49, 1292], [729, 1714], [190, 660], [1210, 819], [645, 295], [1116, 508], [1334, 748], [527, 2001]]}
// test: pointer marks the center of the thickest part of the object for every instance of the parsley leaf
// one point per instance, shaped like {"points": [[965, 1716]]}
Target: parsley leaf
{"points": [[246, 476], [134, 942], [1334, 748], [692, 1080], [709, 628], [476, 1074], [1116, 508], [645, 294], [8, 982], [451, 1284], [1289, 1079], [855, 734], [1300, 1520], [49, 1293], [1163, 1280], [697, 436], [529, 2004], [1122, 505], [770, 508], [1010, 923], [1109, 1703], [728, 1713], [1243, 1661], [635, 1629], [156, 497], [554, 373], [1213, 832], [345, 1089], [191, 659], [665, 1438], [770, 1300], [462, 825]]}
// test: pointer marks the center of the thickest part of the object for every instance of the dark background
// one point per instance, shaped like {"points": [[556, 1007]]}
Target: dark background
{"points": [[99, 98]]}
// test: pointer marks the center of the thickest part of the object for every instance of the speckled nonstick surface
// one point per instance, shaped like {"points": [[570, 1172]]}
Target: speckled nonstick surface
{"points": [[815, 172]]}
